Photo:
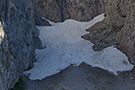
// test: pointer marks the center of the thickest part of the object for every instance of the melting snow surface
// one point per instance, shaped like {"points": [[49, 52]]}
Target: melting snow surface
{"points": [[65, 47]]}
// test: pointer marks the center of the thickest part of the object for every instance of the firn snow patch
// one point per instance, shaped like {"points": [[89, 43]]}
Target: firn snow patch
{"points": [[65, 47]]}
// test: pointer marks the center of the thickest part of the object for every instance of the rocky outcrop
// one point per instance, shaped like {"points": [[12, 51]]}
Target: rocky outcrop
{"points": [[19, 37], [18, 42], [117, 28], [8, 71], [60, 10]]}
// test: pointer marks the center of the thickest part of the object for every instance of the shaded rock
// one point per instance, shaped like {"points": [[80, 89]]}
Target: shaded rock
{"points": [[60, 10], [83, 77], [19, 41], [118, 28]]}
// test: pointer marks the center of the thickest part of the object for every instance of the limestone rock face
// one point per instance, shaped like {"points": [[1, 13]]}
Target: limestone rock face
{"points": [[17, 42], [8, 71], [60, 10], [117, 28]]}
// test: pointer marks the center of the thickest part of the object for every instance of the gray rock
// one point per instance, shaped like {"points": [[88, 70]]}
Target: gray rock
{"points": [[19, 42], [117, 28], [60, 10]]}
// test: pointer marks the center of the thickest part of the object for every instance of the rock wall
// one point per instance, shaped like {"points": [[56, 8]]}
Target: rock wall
{"points": [[19, 37], [118, 28], [8, 71], [18, 42], [60, 10]]}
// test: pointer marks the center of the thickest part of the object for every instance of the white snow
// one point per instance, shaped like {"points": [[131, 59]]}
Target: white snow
{"points": [[65, 47]]}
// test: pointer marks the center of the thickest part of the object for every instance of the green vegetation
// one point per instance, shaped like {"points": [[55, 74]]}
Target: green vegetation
{"points": [[20, 85]]}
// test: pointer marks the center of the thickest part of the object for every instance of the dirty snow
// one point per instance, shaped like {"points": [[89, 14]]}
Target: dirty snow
{"points": [[65, 47]]}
